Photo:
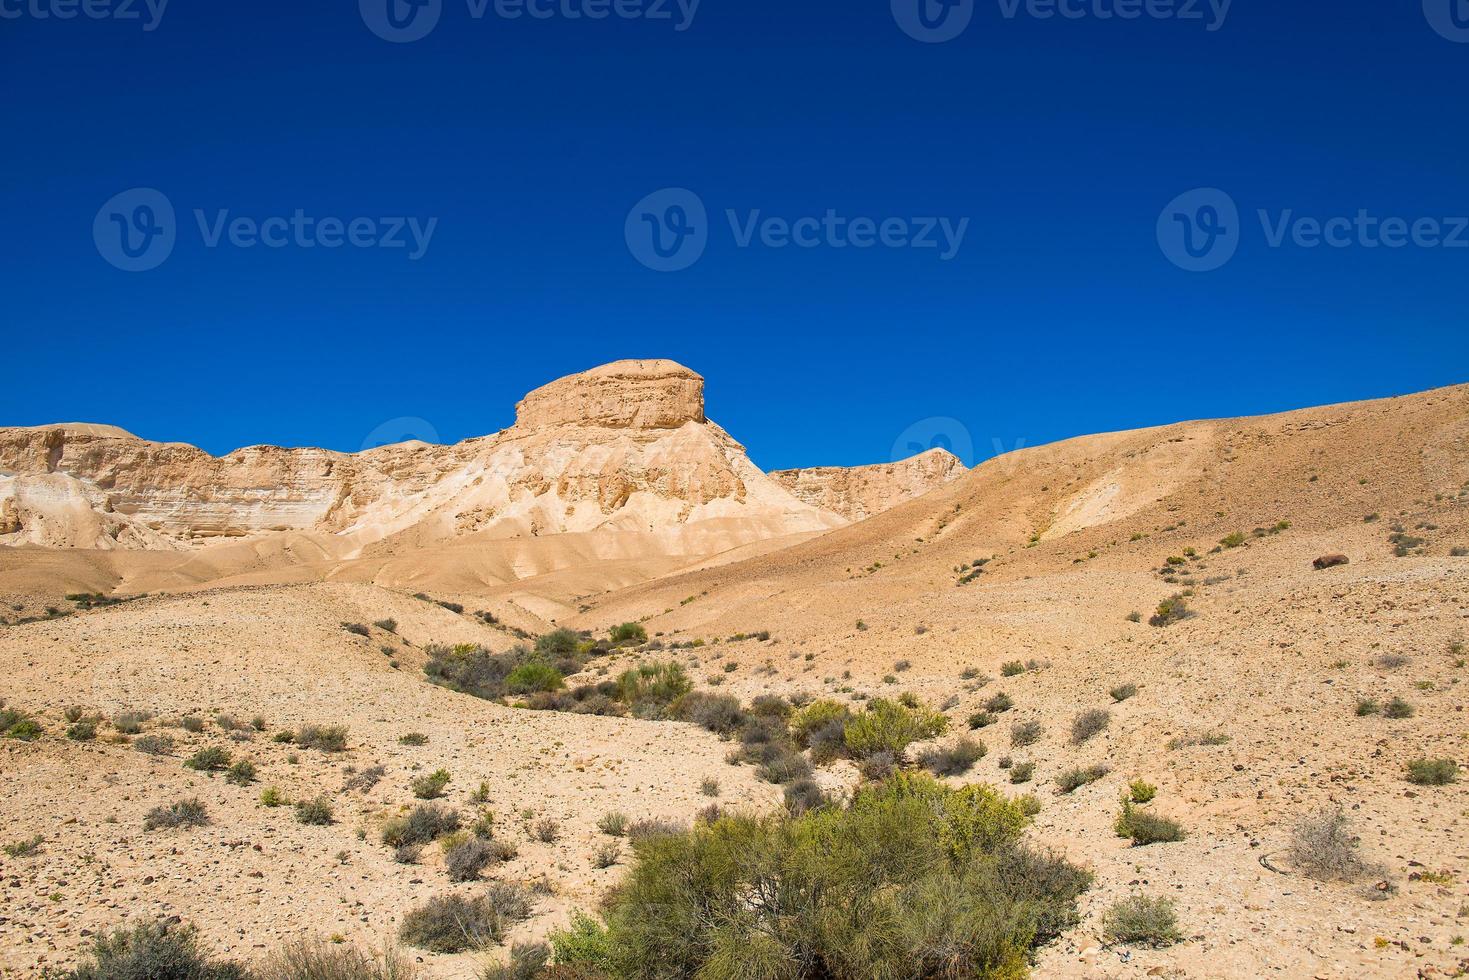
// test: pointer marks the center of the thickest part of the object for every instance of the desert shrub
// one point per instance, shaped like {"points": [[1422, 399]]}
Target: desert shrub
{"points": [[424, 824], [558, 643], [272, 797], [546, 830], [24, 848], [954, 760], [229, 723], [1122, 692], [181, 813], [803, 795], [1141, 921], [771, 706], [999, 703], [613, 824], [430, 786], [20, 726], [1011, 668], [470, 669], [527, 962], [81, 731], [319, 960], [363, 780], [784, 766], [413, 738], [818, 716], [981, 719], [1366, 706], [877, 766], [649, 688], [606, 855], [323, 738], [151, 951], [889, 726], [1233, 540], [1433, 772], [1322, 846], [709, 786], [1088, 724], [1144, 827], [1022, 772], [456, 923], [466, 856], [908, 880], [1392, 661], [1073, 779], [209, 759], [532, 676], [720, 713], [1398, 708], [130, 722], [191, 724], [650, 827], [74, 713], [242, 773], [407, 853], [1025, 733], [317, 812], [628, 634], [1171, 610], [357, 629], [1141, 791]]}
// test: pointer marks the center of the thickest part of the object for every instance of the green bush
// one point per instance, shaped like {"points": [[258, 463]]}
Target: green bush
{"points": [[1398, 708], [151, 951], [1143, 827], [999, 703], [1022, 772], [81, 731], [423, 825], [154, 745], [1141, 791], [817, 716], [430, 786], [532, 676], [1011, 668], [1141, 921], [981, 719], [1366, 706], [1122, 692], [183, 813], [1433, 772], [650, 688], [324, 738], [1025, 733], [629, 634], [1073, 779], [909, 880], [242, 773], [457, 923], [210, 759], [888, 726], [24, 730], [317, 812], [954, 760], [1171, 610], [558, 643]]}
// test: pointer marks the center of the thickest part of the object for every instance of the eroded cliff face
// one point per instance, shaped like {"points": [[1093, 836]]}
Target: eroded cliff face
{"points": [[858, 492], [625, 447]]}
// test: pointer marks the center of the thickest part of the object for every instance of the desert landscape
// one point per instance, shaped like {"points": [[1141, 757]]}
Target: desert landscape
{"points": [[595, 696]]}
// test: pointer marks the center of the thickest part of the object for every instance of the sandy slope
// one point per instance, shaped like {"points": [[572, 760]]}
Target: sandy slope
{"points": [[1274, 659]]}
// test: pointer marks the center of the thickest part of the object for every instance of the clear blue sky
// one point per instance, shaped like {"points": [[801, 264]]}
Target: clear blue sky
{"points": [[1061, 140]]}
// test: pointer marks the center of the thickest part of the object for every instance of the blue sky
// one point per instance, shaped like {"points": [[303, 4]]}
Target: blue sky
{"points": [[526, 143]]}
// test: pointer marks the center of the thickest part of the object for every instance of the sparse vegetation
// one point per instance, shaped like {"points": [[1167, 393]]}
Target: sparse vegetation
{"points": [[1025, 733], [314, 812], [1141, 921], [242, 773], [182, 813], [430, 786], [859, 883], [457, 923], [1122, 692], [466, 856], [1397, 708], [1011, 668], [954, 760], [24, 848], [1073, 779], [1171, 610], [212, 758], [1022, 772], [1323, 847], [319, 960], [151, 951], [614, 824], [424, 824], [1145, 827], [1141, 791], [1089, 723], [1433, 772], [890, 726], [323, 738]]}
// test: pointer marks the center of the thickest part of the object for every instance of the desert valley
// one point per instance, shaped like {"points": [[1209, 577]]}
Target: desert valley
{"points": [[293, 696]]}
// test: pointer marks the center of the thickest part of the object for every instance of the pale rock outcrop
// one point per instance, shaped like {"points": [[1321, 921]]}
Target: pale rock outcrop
{"points": [[858, 492]]}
